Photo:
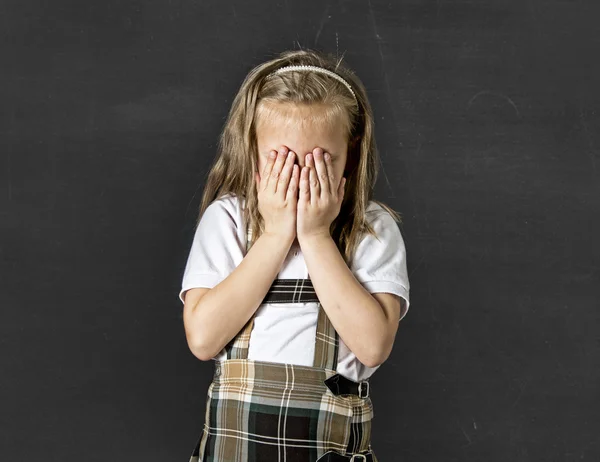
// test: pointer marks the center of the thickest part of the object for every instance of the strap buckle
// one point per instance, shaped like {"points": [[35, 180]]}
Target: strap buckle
{"points": [[360, 391], [357, 457]]}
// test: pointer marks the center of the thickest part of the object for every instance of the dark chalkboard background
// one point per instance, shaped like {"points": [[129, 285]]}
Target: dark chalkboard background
{"points": [[489, 129]]}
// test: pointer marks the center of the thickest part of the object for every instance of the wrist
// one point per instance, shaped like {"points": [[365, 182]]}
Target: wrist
{"points": [[279, 238], [312, 238]]}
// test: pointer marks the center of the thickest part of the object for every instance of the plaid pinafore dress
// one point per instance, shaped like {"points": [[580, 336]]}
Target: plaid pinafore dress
{"points": [[259, 411]]}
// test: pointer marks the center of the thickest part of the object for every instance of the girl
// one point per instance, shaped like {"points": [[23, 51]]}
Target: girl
{"points": [[296, 280]]}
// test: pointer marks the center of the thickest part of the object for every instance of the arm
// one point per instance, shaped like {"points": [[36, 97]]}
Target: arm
{"points": [[214, 318], [367, 324]]}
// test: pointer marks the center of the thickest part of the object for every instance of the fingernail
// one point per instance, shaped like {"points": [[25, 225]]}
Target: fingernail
{"points": [[272, 154]]}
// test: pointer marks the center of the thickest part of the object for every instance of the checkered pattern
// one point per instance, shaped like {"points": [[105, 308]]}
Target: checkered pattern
{"points": [[260, 411]]}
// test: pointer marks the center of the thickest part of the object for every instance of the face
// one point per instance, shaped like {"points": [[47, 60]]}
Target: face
{"points": [[301, 128]]}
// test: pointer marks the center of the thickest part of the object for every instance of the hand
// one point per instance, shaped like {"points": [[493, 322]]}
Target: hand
{"points": [[321, 196], [277, 190]]}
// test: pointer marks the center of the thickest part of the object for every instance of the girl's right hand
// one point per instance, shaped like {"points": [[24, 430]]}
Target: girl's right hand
{"points": [[277, 190]]}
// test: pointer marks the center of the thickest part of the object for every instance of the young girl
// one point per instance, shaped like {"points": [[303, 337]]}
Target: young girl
{"points": [[296, 280]]}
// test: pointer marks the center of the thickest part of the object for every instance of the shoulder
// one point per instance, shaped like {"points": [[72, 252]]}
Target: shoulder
{"points": [[228, 202], [374, 210], [225, 208], [379, 261], [382, 222]]}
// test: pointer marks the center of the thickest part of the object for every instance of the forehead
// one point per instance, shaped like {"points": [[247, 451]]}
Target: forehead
{"points": [[313, 120]]}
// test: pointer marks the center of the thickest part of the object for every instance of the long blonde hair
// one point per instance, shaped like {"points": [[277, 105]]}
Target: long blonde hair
{"points": [[233, 169]]}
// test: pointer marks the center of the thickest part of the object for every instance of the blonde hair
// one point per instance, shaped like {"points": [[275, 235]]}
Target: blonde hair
{"points": [[233, 169]]}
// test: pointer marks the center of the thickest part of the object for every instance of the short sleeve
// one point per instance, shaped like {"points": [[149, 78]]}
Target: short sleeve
{"points": [[379, 263], [217, 248]]}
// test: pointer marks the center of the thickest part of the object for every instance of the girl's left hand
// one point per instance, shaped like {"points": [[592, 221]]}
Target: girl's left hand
{"points": [[320, 196]]}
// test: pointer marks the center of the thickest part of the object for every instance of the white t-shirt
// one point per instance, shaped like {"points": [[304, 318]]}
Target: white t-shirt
{"points": [[285, 333]]}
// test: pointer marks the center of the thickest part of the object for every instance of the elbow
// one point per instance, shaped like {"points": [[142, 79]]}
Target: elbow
{"points": [[201, 350], [197, 341], [373, 361], [375, 356]]}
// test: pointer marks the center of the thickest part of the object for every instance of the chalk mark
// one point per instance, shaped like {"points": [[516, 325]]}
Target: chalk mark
{"points": [[377, 36], [500, 95], [379, 41], [385, 79], [323, 21], [520, 394], [412, 272], [465, 433]]}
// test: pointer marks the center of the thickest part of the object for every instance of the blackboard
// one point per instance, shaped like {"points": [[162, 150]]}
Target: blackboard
{"points": [[488, 126]]}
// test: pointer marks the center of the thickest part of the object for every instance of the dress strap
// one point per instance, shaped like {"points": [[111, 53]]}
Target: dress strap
{"points": [[292, 291], [237, 348], [326, 343]]}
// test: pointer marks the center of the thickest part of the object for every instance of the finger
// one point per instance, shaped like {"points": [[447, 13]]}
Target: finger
{"points": [[313, 182], [342, 190], [292, 190], [286, 173], [267, 169], [330, 171], [277, 167], [304, 195], [321, 171]]}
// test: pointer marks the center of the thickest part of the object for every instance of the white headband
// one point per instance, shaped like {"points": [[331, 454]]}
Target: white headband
{"points": [[319, 70]]}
